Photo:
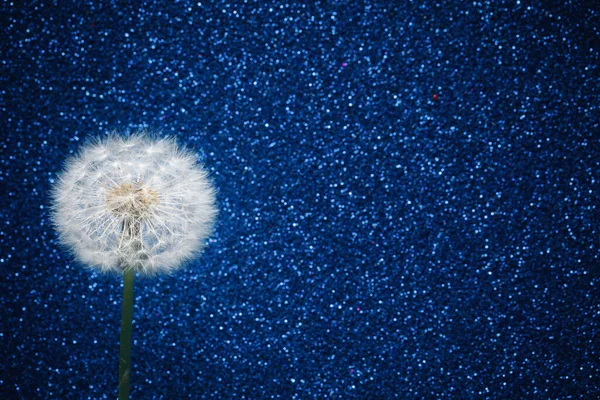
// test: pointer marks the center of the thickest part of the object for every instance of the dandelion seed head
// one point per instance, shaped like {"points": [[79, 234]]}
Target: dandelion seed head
{"points": [[134, 202]]}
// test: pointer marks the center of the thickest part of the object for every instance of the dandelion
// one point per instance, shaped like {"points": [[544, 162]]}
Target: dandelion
{"points": [[133, 204]]}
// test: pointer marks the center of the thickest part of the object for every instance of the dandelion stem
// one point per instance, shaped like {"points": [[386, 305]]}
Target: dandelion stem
{"points": [[125, 355]]}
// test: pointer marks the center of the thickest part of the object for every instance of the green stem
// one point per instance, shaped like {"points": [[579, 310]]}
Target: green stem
{"points": [[125, 356]]}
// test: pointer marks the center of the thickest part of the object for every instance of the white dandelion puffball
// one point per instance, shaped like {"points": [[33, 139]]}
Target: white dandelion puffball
{"points": [[134, 202]]}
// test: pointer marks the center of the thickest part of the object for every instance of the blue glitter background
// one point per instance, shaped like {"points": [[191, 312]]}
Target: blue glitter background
{"points": [[407, 192]]}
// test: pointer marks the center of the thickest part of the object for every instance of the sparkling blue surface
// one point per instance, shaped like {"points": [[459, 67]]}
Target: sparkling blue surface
{"points": [[408, 196]]}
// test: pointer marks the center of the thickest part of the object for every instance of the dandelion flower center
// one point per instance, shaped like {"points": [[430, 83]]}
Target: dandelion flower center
{"points": [[132, 200]]}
